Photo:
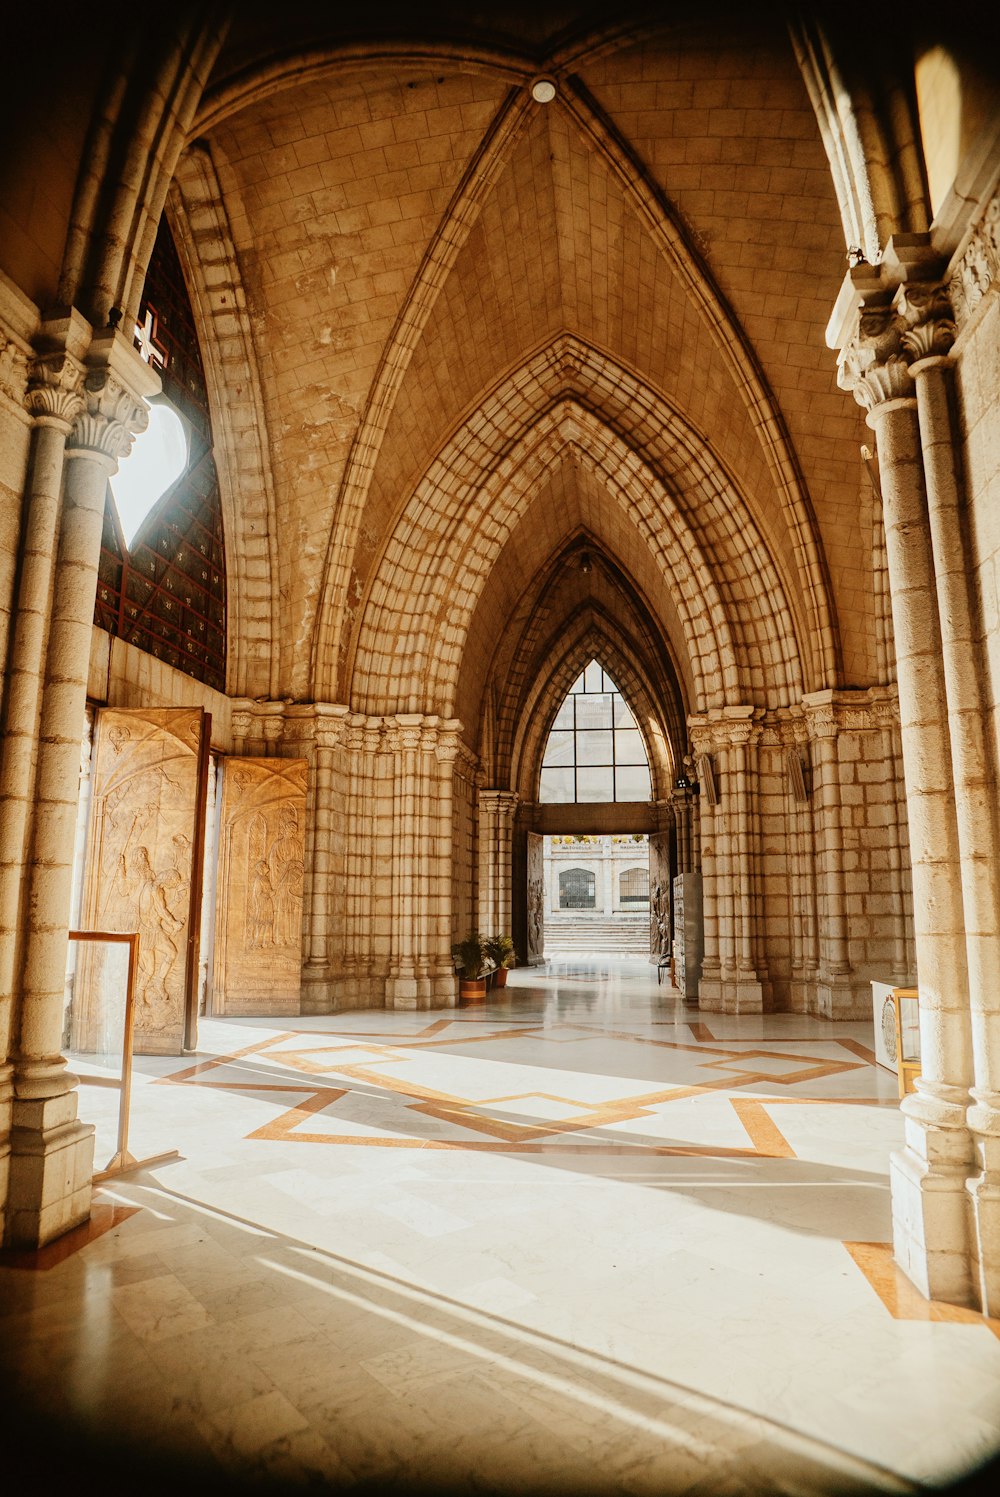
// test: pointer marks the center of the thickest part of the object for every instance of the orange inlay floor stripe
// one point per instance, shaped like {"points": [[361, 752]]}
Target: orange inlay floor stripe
{"points": [[901, 1297], [762, 1130], [857, 1048]]}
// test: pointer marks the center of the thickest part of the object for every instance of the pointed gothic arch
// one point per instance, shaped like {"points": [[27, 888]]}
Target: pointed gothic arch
{"points": [[687, 507]]}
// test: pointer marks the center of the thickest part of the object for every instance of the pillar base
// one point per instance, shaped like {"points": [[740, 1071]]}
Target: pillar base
{"points": [[51, 1182], [842, 996], [984, 1195], [930, 1211], [731, 995]]}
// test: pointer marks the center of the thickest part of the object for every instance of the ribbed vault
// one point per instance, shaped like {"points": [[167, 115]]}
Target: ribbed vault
{"points": [[738, 631]]}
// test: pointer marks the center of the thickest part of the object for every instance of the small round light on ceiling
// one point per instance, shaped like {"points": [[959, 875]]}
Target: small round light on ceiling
{"points": [[543, 90]]}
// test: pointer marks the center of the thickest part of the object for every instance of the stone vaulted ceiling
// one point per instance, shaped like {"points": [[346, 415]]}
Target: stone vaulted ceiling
{"points": [[483, 327]]}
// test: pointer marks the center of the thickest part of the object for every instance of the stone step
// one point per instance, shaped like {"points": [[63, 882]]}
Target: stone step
{"points": [[628, 934]]}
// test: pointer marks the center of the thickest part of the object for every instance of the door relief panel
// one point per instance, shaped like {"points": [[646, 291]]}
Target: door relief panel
{"points": [[140, 864], [258, 910]]}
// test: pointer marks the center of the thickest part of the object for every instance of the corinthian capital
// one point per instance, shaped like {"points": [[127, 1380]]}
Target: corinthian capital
{"points": [[116, 386], [110, 419], [930, 324], [55, 390], [874, 365]]}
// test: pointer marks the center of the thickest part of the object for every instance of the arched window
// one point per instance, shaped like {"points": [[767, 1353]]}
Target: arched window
{"points": [[595, 751], [577, 889], [633, 888], [162, 577]]}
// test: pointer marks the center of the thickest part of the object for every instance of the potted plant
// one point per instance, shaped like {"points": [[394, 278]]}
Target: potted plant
{"points": [[500, 950], [470, 958]]}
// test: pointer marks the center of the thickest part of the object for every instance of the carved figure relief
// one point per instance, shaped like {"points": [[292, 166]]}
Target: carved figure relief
{"points": [[258, 941], [139, 864], [536, 899], [659, 901]]}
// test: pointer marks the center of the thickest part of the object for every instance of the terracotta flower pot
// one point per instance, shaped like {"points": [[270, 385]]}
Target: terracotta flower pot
{"points": [[471, 989], [500, 977]]}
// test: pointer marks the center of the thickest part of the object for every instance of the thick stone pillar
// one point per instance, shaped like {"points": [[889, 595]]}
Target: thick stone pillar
{"points": [[834, 991], [54, 398], [497, 809], [734, 979], [930, 1206], [423, 751], [973, 776], [51, 1151]]}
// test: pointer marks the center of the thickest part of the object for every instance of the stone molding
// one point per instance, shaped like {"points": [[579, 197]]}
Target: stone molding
{"points": [[502, 803], [330, 725], [13, 370], [829, 713], [724, 727], [978, 270]]}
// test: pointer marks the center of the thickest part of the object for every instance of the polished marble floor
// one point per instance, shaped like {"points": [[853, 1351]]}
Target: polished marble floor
{"points": [[578, 1239]]}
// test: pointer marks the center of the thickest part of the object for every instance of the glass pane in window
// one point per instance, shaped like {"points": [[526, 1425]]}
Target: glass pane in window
{"points": [[593, 712], [577, 889], [558, 750], [633, 886], [564, 717], [577, 684], [595, 784], [556, 785], [593, 748], [593, 677], [632, 783], [623, 717], [628, 746]]}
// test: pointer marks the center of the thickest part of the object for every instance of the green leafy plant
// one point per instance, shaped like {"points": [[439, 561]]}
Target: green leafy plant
{"points": [[500, 950], [470, 953]]}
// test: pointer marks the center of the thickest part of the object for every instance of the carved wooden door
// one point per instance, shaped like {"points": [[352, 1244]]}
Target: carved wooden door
{"points": [[143, 868], [258, 908], [536, 898], [659, 895]]}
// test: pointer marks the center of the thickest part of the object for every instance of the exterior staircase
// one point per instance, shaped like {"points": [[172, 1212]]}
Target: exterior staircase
{"points": [[618, 935]]}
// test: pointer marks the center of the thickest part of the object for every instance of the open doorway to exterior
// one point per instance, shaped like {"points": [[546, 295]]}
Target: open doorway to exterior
{"points": [[599, 851], [596, 889]]}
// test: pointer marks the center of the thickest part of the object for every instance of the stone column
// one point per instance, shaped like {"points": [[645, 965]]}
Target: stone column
{"points": [[51, 1151], [54, 398], [497, 809], [834, 987], [930, 1208], [424, 751], [928, 310], [443, 980], [732, 734]]}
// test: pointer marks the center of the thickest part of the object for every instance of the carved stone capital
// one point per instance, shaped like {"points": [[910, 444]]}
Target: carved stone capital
{"points": [[979, 268], [890, 335], [873, 365], [449, 739], [829, 713], [241, 722], [930, 324], [722, 728], [110, 419], [502, 803], [117, 384], [54, 393]]}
